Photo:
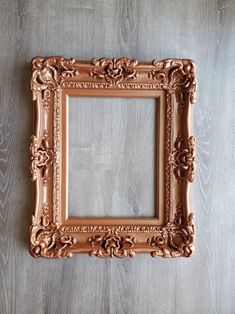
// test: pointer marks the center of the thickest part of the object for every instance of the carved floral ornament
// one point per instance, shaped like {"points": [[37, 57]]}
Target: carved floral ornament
{"points": [[177, 75], [183, 158], [52, 76], [174, 239], [112, 245], [114, 70], [42, 157]]}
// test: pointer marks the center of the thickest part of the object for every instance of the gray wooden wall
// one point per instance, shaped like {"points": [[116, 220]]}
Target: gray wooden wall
{"points": [[111, 156], [199, 29]]}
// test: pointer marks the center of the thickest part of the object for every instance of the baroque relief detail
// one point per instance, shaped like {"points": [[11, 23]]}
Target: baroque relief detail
{"points": [[50, 238], [183, 158], [168, 167], [49, 73], [46, 96], [135, 85], [176, 238], [112, 245], [47, 240], [42, 157], [106, 228], [178, 76], [56, 165], [114, 70]]}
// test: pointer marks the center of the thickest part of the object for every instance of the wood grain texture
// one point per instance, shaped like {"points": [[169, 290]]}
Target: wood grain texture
{"points": [[202, 30], [111, 157]]}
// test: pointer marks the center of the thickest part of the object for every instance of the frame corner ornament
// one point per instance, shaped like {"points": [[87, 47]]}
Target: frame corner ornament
{"points": [[177, 76], [176, 238], [173, 82], [50, 72], [46, 238]]}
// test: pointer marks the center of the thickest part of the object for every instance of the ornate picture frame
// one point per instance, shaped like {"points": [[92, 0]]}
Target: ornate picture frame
{"points": [[171, 234]]}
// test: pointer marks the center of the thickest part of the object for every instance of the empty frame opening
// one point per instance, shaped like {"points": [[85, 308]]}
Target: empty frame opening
{"points": [[112, 157]]}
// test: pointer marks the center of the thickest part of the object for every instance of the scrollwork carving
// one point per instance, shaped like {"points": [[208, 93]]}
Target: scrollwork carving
{"points": [[176, 238], [177, 75], [47, 240], [50, 72], [114, 70], [42, 157], [112, 245], [183, 158], [46, 95], [173, 81], [57, 148]]}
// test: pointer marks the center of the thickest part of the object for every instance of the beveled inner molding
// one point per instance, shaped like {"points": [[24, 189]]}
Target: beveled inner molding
{"points": [[159, 218], [53, 234]]}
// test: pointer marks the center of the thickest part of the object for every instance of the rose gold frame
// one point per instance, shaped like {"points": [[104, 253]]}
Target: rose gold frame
{"points": [[52, 233]]}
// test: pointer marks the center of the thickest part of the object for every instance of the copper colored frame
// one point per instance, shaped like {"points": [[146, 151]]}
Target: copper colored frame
{"points": [[52, 233]]}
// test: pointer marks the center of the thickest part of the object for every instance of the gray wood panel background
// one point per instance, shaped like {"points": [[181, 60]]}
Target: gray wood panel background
{"points": [[111, 157], [202, 30]]}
